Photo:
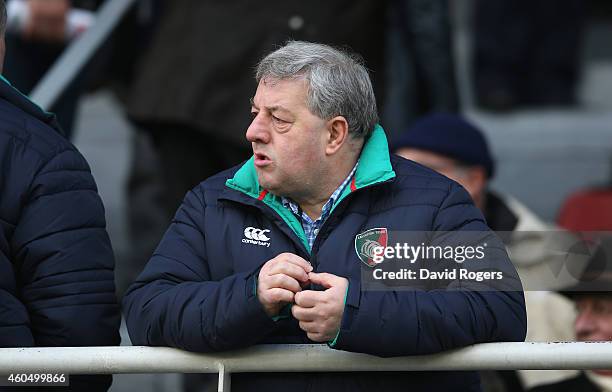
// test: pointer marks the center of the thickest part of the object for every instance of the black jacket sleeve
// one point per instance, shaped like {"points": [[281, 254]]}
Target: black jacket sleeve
{"points": [[64, 261]]}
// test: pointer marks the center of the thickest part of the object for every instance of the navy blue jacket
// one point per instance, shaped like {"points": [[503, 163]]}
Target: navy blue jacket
{"points": [[197, 291], [56, 261]]}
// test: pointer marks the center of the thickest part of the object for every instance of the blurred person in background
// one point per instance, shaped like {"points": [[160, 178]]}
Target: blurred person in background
{"points": [[38, 31], [457, 149], [527, 53], [592, 298], [419, 62], [56, 261]]}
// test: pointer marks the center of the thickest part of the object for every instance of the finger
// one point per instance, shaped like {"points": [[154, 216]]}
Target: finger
{"points": [[277, 295], [302, 314], [324, 279], [309, 327], [297, 260], [282, 281], [288, 269], [316, 337], [309, 298]]}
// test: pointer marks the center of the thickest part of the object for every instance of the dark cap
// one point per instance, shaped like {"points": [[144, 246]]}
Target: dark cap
{"points": [[450, 135]]}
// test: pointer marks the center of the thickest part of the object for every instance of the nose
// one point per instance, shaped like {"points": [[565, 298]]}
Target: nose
{"points": [[585, 325], [258, 131]]}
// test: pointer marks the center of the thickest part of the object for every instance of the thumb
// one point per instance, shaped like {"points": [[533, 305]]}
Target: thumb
{"points": [[324, 279]]}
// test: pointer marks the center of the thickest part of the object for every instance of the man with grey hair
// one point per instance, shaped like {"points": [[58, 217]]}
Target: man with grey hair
{"points": [[273, 251]]}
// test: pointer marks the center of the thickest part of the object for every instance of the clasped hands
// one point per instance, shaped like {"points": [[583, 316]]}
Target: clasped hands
{"points": [[282, 280]]}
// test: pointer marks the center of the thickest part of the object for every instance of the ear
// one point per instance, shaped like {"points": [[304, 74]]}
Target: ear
{"points": [[476, 180], [337, 135], [479, 175]]}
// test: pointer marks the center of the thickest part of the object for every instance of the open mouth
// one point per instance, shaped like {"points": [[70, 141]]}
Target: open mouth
{"points": [[261, 159]]}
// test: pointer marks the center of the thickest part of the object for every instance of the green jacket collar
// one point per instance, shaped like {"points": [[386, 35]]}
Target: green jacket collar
{"points": [[374, 167]]}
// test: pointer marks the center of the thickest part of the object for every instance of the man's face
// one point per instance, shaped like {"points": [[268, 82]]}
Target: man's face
{"points": [[594, 319], [288, 140], [594, 322], [440, 163]]}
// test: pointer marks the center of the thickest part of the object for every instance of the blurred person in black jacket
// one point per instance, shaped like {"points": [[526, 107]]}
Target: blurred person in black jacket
{"points": [[419, 63]]}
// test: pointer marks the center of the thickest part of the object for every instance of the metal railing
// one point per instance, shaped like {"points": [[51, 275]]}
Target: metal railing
{"points": [[76, 56], [300, 358]]}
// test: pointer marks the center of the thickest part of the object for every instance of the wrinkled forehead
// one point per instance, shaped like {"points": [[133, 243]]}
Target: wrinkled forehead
{"points": [[286, 93]]}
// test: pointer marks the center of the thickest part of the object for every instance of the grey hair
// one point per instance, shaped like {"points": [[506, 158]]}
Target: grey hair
{"points": [[338, 82]]}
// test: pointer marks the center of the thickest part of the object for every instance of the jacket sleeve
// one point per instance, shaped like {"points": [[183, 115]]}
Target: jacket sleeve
{"points": [[414, 322], [63, 259], [175, 302], [14, 317]]}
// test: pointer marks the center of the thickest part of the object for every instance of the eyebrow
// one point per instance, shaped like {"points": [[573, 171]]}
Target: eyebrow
{"points": [[270, 108]]}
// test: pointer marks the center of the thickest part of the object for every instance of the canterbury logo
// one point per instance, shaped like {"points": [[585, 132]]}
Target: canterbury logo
{"points": [[256, 236]]}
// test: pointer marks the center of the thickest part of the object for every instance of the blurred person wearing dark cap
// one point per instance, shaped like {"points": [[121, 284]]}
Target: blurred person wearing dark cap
{"points": [[456, 148], [56, 260], [592, 297]]}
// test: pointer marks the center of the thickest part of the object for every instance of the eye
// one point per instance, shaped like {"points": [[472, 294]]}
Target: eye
{"points": [[254, 114], [279, 120]]}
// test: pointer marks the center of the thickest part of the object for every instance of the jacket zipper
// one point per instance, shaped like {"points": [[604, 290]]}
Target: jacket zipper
{"points": [[337, 210]]}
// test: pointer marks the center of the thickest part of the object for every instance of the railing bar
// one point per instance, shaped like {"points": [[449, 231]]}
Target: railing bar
{"points": [[301, 358], [224, 384], [74, 58]]}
